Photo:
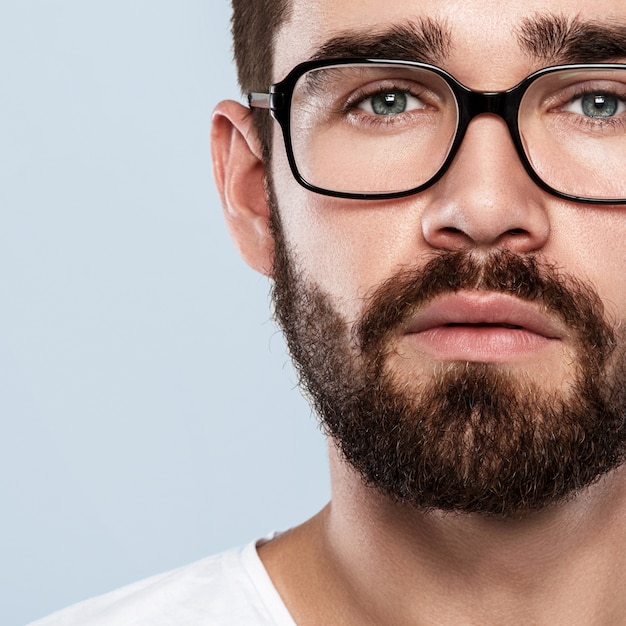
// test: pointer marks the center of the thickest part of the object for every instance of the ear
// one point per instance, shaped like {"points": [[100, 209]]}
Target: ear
{"points": [[240, 177]]}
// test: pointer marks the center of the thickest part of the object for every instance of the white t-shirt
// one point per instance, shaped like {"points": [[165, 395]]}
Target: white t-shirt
{"points": [[229, 589]]}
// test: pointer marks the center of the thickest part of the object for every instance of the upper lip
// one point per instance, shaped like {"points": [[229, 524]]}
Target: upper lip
{"points": [[477, 307]]}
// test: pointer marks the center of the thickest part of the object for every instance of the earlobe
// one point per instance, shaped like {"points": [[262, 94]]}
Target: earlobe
{"points": [[240, 178]]}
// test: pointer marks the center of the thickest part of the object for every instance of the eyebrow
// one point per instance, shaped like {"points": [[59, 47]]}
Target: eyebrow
{"points": [[556, 39], [425, 40], [547, 38]]}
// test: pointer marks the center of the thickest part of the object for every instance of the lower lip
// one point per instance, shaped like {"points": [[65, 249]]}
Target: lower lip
{"points": [[488, 344]]}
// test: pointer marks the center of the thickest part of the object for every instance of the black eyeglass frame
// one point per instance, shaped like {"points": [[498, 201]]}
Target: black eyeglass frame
{"points": [[470, 103]]}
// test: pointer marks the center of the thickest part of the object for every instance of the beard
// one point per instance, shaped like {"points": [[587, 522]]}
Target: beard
{"points": [[469, 437]]}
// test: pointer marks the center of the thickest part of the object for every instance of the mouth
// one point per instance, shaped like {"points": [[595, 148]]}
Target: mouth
{"points": [[483, 327]]}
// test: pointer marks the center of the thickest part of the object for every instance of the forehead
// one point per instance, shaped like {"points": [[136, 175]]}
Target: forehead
{"points": [[488, 44]]}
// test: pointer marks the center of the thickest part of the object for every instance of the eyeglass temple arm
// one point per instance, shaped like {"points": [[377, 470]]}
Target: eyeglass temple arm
{"points": [[259, 100]]}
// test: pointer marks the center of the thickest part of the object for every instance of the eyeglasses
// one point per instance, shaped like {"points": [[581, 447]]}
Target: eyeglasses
{"points": [[375, 128]]}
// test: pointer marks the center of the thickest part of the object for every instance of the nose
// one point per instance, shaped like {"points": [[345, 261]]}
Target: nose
{"points": [[486, 199]]}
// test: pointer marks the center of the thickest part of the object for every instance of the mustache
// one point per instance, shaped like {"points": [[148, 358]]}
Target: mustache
{"points": [[575, 302]]}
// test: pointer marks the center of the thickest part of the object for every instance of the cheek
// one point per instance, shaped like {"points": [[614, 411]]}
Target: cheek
{"points": [[346, 247], [591, 244]]}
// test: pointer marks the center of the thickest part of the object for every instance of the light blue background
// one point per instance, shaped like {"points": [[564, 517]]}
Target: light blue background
{"points": [[149, 414]]}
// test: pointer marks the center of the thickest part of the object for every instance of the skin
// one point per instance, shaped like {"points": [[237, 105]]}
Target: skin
{"points": [[364, 559]]}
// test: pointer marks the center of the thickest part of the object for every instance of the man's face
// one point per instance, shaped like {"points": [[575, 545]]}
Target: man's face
{"points": [[453, 317]]}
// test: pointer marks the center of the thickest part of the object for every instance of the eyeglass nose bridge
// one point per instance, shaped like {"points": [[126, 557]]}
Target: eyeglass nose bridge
{"points": [[471, 104], [475, 103]]}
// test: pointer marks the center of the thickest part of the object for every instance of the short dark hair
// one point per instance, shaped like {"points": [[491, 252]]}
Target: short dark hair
{"points": [[254, 27]]}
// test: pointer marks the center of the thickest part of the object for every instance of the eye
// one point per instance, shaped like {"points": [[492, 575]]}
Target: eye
{"points": [[596, 105], [390, 102]]}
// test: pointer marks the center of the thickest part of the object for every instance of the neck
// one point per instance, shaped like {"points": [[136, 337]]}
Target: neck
{"points": [[379, 562]]}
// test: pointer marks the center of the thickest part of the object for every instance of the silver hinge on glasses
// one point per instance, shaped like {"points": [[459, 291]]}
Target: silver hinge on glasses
{"points": [[259, 100]]}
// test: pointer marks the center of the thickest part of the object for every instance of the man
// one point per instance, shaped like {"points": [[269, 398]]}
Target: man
{"points": [[442, 220]]}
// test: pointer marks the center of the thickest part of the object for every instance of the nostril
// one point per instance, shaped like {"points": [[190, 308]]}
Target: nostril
{"points": [[516, 231]]}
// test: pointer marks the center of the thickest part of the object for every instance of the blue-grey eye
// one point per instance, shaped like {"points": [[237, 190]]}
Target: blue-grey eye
{"points": [[391, 102], [599, 105]]}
